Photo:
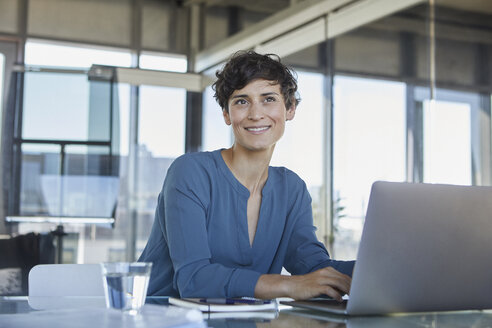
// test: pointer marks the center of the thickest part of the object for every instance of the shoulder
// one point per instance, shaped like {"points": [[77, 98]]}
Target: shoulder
{"points": [[291, 180], [194, 161], [291, 184], [192, 167], [293, 190]]}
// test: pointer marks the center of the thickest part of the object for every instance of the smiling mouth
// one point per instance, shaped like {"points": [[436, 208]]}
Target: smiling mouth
{"points": [[258, 129]]}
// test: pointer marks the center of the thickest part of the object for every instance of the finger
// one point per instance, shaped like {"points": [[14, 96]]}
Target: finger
{"points": [[340, 283], [333, 293]]}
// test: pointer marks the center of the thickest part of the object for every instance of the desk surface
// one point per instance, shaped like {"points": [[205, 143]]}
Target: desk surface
{"points": [[297, 318]]}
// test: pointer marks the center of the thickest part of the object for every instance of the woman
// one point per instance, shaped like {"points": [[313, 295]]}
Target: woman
{"points": [[226, 222]]}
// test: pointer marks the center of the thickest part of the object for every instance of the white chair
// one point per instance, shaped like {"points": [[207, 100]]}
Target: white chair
{"points": [[55, 286]]}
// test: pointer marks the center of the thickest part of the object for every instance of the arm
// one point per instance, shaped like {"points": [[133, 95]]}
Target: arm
{"points": [[314, 273]]}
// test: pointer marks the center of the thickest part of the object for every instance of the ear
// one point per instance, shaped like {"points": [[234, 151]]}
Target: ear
{"points": [[291, 112], [227, 119]]}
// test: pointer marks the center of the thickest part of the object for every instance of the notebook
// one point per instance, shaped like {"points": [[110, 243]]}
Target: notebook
{"points": [[424, 247], [225, 304]]}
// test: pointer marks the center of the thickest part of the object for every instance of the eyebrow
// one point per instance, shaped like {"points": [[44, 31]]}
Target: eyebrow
{"points": [[263, 94]]}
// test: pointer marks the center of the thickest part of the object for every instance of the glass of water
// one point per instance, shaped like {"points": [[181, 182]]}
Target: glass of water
{"points": [[125, 284]]}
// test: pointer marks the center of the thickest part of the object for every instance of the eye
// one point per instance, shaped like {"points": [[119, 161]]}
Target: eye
{"points": [[240, 102], [270, 99]]}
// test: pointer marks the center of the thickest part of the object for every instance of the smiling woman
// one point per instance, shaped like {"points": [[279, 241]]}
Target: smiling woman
{"points": [[227, 222], [257, 114]]}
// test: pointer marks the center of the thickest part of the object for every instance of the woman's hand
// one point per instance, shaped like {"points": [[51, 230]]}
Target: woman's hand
{"points": [[326, 281], [323, 281]]}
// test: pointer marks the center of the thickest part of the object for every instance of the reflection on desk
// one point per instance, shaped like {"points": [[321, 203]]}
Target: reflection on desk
{"points": [[150, 316], [298, 318], [422, 320]]}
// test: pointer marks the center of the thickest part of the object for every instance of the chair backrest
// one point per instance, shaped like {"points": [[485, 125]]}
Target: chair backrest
{"points": [[66, 286], [19, 255]]}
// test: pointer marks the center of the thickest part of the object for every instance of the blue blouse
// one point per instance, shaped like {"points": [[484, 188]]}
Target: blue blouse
{"points": [[199, 243]]}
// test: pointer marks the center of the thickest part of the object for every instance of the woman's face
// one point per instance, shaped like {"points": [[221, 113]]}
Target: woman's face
{"points": [[257, 114]]}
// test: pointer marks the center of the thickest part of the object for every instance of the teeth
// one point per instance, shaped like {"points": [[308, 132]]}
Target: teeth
{"points": [[257, 129]]}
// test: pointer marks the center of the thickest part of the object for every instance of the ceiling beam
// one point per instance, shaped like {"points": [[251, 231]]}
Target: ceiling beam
{"points": [[269, 28], [300, 26], [362, 13], [296, 40]]}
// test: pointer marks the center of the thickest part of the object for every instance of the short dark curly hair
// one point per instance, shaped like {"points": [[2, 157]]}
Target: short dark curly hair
{"points": [[245, 66]]}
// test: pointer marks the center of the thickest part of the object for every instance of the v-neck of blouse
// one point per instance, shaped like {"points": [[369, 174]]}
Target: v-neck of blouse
{"points": [[238, 186], [241, 214]]}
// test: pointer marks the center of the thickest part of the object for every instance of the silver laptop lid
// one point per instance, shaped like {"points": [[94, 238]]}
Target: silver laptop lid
{"points": [[424, 247]]}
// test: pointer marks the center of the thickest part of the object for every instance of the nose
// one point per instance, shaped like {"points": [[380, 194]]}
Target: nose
{"points": [[255, 112]]}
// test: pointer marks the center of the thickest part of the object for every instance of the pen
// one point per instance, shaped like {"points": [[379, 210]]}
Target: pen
{"points": [[234, 301]]}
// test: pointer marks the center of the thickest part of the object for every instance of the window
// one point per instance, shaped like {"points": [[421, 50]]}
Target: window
{"points": [[162, 121], [447, 143], [66, 55], [66, 146], [160, 131], [161, 138], [369, 145], [58, 54], [55, 110], [2, 67], [215, 133], [301, 147], [172, 63], [74, 139]]}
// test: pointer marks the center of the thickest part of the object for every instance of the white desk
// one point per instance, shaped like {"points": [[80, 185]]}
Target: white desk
{"points": [[287, 317]]}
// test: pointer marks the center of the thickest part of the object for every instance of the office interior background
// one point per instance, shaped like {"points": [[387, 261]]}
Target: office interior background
{"points": [[99, 97]]}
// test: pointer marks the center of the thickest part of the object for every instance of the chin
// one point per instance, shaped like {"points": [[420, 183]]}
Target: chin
{"points": [[259, 148]]}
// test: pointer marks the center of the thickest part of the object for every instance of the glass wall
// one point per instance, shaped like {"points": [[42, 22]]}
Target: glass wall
{"points": [[2, 67], [56, 54], [172, 63], [369, 144], [215, 133], [54, 110], [410, 101], [67, 147], [447, 143], [301, 147], [59, 106], [161, 138]]}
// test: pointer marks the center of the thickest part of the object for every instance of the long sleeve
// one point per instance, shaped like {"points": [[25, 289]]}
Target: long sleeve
{"points": [[306, 253], [185, 201]]}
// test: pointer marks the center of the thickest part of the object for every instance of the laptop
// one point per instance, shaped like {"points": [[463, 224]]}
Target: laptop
{"points": [[424, 248]]}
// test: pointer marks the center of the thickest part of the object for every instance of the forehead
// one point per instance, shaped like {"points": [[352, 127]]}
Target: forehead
{"points": [[258, 87]]}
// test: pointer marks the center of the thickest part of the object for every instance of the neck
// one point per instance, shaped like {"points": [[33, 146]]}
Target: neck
{"points": [[249, 167]]}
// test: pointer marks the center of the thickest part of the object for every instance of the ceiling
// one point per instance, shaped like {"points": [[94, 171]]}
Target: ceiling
{"points": [[480, 6], [263, 6], [273, 6]]}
